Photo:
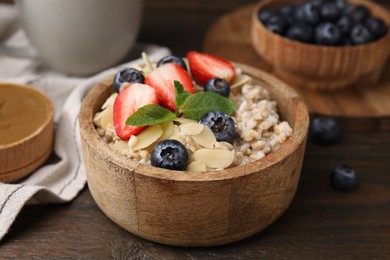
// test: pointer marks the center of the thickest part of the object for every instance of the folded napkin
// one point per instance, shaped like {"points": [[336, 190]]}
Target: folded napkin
{"points": [[61, 178]]}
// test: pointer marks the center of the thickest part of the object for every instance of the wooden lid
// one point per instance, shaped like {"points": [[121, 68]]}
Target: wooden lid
{"points": [[26, 130]]}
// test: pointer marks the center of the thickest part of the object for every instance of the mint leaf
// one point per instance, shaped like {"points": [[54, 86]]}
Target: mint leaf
{"points": [[199, 104], [151, 114], [180, 94]]}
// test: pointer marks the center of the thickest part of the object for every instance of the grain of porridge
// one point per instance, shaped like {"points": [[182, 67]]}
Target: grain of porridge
{"points": [[259, 131]]}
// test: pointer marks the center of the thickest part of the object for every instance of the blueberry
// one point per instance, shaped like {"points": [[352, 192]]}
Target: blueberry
{"points": [[221, 124], [345, 25], [330, 12], [219, 86], [127, 75], [264, 15], [327, 34], [343, 178], [171, 58], [308, 13], [341, 4], [357, 13], [300, 32], [360, 34], [170, 154], [277, 24], [324, 130], [376, 26], [288, 11]]}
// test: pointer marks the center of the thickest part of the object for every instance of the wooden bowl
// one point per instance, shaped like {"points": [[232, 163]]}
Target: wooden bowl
{"points": [[195, 209], [26, 130], [320, 67]]}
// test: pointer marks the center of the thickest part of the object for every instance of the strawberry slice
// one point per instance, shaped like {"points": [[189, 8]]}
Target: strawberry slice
{"points": [[205, 66], [162, 79], [131, 98]]}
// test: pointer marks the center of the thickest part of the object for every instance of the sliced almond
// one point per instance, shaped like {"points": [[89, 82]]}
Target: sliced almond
{"points": [[205, 138], [106, 117], [167, 130], [215, 158], [120, 146], [148, 64], [197, 166], [132, 141], [148, 136], [110, 101], [240, 80], [97, 118], [191, 128], [182, 120]]}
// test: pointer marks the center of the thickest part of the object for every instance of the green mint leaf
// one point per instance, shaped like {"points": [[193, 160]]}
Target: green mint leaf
{"points": [[199, 104], [180, 94], [151, 114]]}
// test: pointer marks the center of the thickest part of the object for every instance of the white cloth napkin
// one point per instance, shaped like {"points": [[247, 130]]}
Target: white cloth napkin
{"points": [[62, 178]]}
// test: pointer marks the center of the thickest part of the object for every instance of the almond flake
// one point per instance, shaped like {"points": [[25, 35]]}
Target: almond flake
{"points": [[240, 80], [132, 141], [120, 146], [197, 166], [214, 158], [148, 136], [205, 138], [167, 130], [191, 128], [182, 120], [106, 117], [110, 101]]}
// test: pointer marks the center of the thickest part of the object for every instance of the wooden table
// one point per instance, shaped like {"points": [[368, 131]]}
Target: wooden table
{"points": [[320, 224]]}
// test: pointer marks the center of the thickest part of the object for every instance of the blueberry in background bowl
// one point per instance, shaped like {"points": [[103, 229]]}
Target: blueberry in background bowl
{"points": [[353, 43]]}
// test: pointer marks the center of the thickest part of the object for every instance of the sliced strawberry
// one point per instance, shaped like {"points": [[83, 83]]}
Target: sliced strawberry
{"points": [[205, 66], [162, 79], [131, 98]]}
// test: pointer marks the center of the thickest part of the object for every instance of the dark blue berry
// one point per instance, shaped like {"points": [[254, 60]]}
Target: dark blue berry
{"points": [[219, 86], [324, 131], [308, 13], [377, 27], [300, 32], [264, 15], [130, 75], [221, 124], [341, 4], [360, 34], [357, 13], [277, 24], [327, 34], [330, 12], [288, 12], [344, 24], [170, 154], [172, 59], [343, 178]]}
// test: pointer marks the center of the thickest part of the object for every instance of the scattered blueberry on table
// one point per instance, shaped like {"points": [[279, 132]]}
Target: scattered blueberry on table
{"points": [[324, 22], [343, 178], [324, 130]]}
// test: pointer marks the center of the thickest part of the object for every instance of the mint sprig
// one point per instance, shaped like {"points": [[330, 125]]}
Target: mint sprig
{"points": [[151, 114], [192, 106]]}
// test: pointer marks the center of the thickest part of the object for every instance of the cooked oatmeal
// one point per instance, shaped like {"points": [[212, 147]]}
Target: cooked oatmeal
{"points": [[259, 131]]}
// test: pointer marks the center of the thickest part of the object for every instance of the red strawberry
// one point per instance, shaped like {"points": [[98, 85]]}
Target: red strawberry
{"points": [[162, 79], [205, 66], [131, 98]]}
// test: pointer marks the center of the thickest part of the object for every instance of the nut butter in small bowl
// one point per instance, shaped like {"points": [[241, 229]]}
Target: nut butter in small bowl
{"points": [[26, 130]]}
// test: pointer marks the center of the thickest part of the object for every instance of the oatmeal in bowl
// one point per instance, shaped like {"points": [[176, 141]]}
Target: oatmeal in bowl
{"points": [[193, 152]]}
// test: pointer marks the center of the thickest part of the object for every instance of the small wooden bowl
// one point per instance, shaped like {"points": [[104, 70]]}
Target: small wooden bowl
{"points": [[189, 208], [26, 130], [320, 67]]}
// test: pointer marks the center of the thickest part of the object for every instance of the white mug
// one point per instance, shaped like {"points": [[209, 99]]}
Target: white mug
{"points": [[79, 37]]}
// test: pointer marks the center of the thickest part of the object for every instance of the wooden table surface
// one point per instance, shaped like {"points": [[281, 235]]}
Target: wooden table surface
{"points": [[321, 223]]}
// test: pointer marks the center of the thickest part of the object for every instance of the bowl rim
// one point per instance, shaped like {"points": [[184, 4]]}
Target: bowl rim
{"points": [[300, 131], [314, 47], [48, 119]]}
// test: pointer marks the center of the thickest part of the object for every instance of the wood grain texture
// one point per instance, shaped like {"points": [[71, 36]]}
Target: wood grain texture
{"points": [[363, 107], [18, 159], [195, 209]]}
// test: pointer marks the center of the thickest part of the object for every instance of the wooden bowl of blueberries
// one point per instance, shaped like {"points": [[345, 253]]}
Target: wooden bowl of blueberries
{"points": [[198, 151], [322, 44]]}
